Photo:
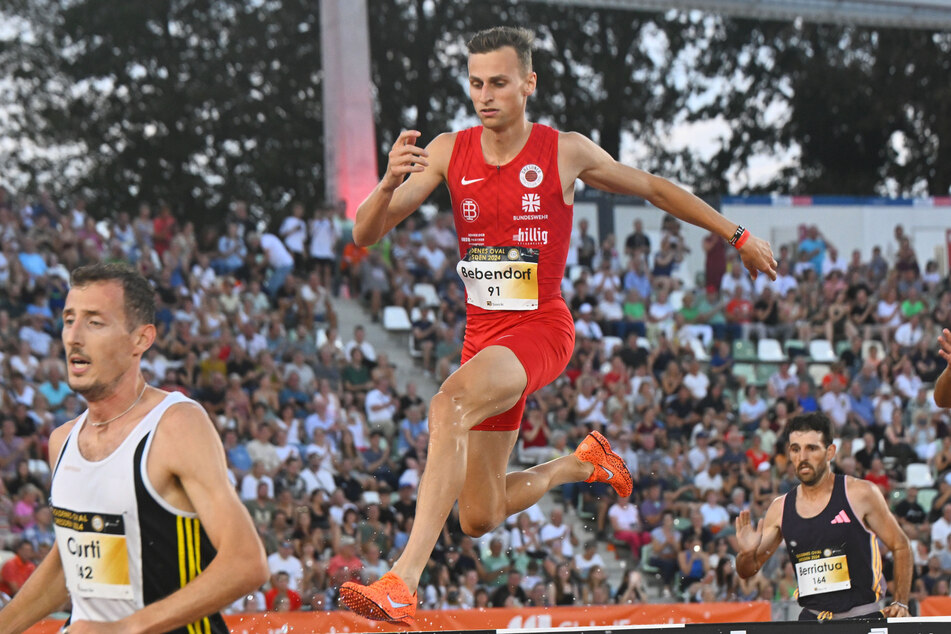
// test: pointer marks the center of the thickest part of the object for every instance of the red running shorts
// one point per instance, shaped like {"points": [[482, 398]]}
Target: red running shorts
{"points": [[542, 340]]}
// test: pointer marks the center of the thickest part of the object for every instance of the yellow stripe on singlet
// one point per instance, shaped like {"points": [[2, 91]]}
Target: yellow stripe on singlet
{"points": [[196, 531], [180, 531], [182, 557], [192, 540], [878, 580], [204, 623], [190, 548]]}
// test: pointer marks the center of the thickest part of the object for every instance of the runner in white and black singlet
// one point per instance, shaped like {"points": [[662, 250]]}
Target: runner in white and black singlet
{"points": [[833, 527], [150, 534]]}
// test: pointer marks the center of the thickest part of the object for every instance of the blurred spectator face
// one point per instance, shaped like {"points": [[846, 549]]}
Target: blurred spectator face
{"points": [[25, 551], [347, 547], [264, 432], [648, 442], [738, 496], [452, 556]]}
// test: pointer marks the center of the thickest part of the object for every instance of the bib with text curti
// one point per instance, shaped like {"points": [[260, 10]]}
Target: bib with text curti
{"points": [[93, 550]]}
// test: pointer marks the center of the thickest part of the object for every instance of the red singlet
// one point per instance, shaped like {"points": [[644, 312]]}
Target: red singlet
{"points": [[516, 210]]}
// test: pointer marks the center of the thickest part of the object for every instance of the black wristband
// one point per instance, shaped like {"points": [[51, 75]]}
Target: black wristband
{"points": [[736, 235]]}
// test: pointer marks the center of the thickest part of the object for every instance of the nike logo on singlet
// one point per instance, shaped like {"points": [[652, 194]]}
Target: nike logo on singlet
{"points": [[609, 472], [466, 181]]}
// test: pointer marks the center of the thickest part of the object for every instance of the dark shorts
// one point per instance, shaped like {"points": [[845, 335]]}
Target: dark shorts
{"points": [[542, 340]]}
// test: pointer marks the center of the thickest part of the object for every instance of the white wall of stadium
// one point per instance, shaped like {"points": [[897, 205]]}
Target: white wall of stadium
{"points": [[861, 226]]}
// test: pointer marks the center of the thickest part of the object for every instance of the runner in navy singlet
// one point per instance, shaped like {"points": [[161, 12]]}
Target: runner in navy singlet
{"points": [[833, 526]]}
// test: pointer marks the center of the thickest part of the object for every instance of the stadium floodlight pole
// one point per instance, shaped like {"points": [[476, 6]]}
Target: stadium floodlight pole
{"points": [[350, 167]]}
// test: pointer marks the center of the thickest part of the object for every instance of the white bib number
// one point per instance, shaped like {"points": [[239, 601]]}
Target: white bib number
{"points": [[819, 576], [500, 278], [95, 557]]}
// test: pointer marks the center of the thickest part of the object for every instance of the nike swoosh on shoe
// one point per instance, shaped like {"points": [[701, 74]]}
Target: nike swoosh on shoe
{"points": [[396, 604]]}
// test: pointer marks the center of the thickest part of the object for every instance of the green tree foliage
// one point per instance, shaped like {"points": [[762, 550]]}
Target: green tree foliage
{"points": [[597, 72], [863, 110], [194, 102], [199, 102]]}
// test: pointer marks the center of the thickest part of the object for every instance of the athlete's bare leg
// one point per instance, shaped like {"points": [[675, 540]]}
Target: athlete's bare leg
{"points": [[489, 383], [490, 495]]}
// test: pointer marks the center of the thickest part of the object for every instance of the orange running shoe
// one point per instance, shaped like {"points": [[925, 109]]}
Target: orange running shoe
{"points": [[387, 599], [608, 466]]}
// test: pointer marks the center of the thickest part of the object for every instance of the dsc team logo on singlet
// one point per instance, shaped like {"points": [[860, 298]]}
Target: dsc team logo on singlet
{"points": [[531, 176], [469, 209]]}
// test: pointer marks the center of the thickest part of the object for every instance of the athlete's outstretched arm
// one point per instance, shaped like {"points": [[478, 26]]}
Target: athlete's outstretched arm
{"points": [[875, 513], [187, 446], [583, 158], [45, 591], [394, 198], [758, 544]]}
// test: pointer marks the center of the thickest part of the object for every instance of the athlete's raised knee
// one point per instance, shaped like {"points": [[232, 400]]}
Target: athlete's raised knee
{"points": [[477, 526]]}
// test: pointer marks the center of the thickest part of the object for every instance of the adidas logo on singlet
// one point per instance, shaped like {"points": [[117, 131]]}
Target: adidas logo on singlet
{"points": [[841, 518]]}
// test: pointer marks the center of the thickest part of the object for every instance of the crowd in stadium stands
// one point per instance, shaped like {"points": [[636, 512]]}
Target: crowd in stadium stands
{"points": [[326, 450]]}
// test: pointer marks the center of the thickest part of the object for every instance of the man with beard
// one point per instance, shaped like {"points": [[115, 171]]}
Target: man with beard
{"points": [[831, 524], [140, 494]]}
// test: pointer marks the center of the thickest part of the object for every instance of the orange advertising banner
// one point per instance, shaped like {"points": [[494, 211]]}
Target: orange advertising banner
{"points": [[935, 606], [489, 619]]}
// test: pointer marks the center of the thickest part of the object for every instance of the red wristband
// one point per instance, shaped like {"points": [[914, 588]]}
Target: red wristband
{"points": [[742, 239]]}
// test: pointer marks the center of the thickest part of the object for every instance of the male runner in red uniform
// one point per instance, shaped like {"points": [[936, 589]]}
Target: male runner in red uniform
{"points": [[512, 187]]}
